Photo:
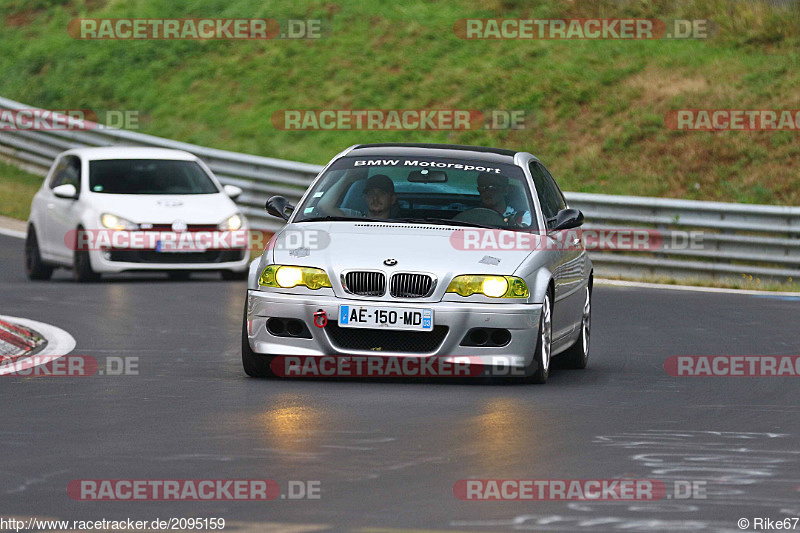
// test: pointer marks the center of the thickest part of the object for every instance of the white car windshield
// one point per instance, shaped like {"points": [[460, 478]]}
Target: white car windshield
{"points": [[420, 190], [149, 176]]}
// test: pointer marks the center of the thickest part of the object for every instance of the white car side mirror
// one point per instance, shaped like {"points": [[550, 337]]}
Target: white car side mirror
{"points": [[67, 191], [232, 190]]}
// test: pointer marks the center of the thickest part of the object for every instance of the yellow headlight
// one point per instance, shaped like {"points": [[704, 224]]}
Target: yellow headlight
{"points": [[492, 286], [517, 288], [290, 276]]}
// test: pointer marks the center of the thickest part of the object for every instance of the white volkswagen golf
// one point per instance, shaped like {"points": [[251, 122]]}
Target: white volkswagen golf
{"points": [[118, 209]]}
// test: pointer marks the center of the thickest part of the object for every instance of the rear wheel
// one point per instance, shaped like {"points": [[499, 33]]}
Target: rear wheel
{"points": [[255, 365], [82, 271], [543, 343], [35, 268], [577, 356]]}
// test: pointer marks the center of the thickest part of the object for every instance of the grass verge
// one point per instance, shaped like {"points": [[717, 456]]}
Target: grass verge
{"points": [[17, 188]]}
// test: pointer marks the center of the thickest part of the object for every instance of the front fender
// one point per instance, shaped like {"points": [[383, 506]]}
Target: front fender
{"points": [[537, 271], [254, 272], [541, 280]]}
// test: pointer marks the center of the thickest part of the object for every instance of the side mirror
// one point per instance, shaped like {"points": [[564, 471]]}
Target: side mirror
{"points": [[67, 191], [278, 206], [232, 191], [567, 219]]}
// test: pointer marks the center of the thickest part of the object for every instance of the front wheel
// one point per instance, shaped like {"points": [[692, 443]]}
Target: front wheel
{"points": [[577, 356], [35, 268], [543, 343], [82, 271]]}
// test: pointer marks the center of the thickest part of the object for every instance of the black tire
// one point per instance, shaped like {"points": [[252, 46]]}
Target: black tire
{"points": [[231, 275], [35, 268], [178, 275], [577, 356], [543, 353], [255, 365], [82, 271]]}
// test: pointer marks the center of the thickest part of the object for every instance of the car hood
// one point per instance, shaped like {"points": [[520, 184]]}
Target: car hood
{"points": [[339, 246], [167, 208]]}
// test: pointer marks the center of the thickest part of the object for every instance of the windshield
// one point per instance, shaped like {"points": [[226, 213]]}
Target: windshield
{"points": [[149, 176], [433, 190]]}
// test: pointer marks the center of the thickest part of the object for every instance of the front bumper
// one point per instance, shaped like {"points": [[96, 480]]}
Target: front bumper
{"points": [[521, 320], [113, 261]]}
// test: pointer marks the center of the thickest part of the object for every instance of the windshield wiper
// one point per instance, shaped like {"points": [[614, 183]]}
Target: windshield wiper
{"points": [[342, 219], [447, 221]]}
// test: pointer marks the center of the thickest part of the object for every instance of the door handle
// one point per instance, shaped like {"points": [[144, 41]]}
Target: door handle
{"points": [[50, 206]]}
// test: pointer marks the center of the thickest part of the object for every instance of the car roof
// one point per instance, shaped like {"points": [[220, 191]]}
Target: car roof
{"points": [[450, 151], [130, 152]]}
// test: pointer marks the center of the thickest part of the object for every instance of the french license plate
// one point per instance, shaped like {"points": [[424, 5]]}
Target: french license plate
{"points": [[364, 316]]}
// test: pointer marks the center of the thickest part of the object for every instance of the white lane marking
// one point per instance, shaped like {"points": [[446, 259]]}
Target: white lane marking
{"points": [[59, 342], [643, 285], [34, 481], [12, 233]]}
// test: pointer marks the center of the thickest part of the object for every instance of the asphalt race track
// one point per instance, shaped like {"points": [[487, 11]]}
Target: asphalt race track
{"points": [[387, 454]]}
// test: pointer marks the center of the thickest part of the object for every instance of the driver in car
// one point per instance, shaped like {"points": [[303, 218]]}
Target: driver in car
{"points": [[494, 189], [378, 193]]}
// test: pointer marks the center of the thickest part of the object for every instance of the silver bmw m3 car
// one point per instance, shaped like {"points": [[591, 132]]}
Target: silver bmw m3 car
{"points": [[424, 251]]}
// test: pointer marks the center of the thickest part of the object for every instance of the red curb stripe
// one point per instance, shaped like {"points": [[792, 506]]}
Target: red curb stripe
{"points": [[16, 341]]}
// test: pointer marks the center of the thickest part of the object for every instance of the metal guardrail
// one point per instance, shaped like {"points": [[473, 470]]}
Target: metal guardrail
{"points": [[736, 239], [259, 177], [714, 239]]}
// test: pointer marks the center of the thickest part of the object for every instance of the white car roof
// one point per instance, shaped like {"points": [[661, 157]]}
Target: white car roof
{"points": [[130, 152]]}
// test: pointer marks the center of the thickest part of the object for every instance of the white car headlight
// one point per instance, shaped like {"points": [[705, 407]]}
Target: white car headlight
{"points": [[232, 224], [114, 222]]}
